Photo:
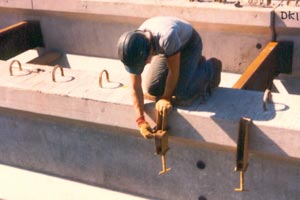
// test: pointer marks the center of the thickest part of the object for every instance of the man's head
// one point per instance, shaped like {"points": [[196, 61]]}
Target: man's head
{"points": [[133, 51]]}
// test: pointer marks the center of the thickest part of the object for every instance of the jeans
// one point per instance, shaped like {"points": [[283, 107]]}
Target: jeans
{"points": [[193, 78]]}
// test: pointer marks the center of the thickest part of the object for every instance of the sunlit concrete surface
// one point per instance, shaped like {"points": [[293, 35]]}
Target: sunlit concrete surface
{"points": [[20, 184]]}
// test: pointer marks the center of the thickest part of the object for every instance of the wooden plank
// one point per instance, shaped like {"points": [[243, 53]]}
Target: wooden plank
{"points": [[13, 27], [263, 60]]}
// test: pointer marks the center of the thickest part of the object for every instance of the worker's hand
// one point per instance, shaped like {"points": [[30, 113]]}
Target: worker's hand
{"points": [[163, 105], [146, 130]]}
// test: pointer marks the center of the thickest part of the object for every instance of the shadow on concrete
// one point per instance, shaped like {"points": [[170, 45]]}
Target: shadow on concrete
{"points": [[223, 110], [64, 61], [291, 85]]}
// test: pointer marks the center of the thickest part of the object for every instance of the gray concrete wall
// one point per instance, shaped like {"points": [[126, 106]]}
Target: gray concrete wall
{"points": [[119, 159], [93, 27]]}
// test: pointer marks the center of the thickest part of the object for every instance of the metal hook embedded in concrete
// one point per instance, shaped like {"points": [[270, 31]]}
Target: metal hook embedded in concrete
{"points": [[161, 140], [54, 70], [100, 77], [242, 151], [267, 98], [11, 65]]}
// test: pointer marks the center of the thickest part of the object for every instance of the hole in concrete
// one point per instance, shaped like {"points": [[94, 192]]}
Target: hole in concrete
{"points": [[201, 164], [202, 198], [258, 46]]}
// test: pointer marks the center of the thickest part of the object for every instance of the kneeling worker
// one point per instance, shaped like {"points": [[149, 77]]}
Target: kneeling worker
{"points": [[177, 69]]}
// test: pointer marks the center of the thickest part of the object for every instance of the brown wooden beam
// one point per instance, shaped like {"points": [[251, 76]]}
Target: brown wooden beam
{"points": [[275, 58], [13, 27]]}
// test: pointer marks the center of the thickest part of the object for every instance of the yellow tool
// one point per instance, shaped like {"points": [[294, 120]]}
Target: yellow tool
{"points": [[242, 151], [161, 139]]}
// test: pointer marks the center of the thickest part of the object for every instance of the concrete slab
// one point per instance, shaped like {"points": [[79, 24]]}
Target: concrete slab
{"points": [[18, 184]]}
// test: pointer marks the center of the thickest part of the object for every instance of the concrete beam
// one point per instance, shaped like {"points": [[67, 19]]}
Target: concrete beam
{"points": [[210, 12], [245, 27], [104, 22], [26, 4], [82, 99]]}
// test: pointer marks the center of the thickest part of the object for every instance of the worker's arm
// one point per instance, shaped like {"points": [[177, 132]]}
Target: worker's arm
{"points": [[138, 103], [173, 63], [137, 94]]}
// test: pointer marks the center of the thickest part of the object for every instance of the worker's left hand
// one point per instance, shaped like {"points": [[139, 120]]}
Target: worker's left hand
{"points": [[163, 105]]}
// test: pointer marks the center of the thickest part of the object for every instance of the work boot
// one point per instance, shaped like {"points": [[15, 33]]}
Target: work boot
{"points": [[216, 73]]}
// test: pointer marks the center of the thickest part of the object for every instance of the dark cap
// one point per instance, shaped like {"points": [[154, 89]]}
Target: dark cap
{"points": [[133, 51]]}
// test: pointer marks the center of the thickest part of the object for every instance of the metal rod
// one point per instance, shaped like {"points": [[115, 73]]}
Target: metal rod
{"points": [[11, 65], [100, 77], [163, 160], [54, 70], [242, 183], [266, 98], [164, 165], [164, 121]]}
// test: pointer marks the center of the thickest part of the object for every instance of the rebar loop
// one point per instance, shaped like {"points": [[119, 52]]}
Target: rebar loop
{"points": [[54, 70], [101, 75], [11, 65], [267, 98]]}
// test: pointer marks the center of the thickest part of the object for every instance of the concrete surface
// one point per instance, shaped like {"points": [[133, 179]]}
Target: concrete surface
{"points": [[240, 30], [21, 184]]}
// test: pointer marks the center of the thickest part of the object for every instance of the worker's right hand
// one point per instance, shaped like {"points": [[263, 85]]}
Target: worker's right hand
{"points": [[146, 130], [163, 105]]}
